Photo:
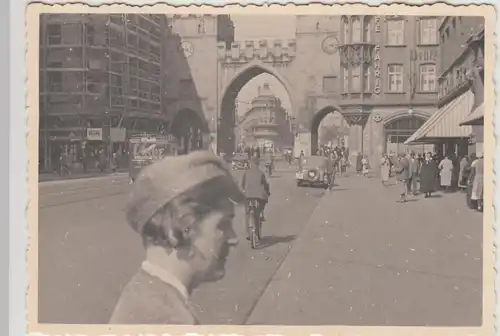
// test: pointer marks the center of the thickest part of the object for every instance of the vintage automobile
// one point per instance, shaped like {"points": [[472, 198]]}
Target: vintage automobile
{"points": [[240, 161], [312, 171]]}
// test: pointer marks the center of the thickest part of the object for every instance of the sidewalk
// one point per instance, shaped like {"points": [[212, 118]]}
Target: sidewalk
{"points": [[364, 259], [46, 177]]}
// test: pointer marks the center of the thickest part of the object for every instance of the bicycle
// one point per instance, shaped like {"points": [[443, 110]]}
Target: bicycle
{"points": [[253, 221]]}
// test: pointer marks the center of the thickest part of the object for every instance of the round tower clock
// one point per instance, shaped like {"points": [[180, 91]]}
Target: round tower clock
{"points": [[330, 45]]}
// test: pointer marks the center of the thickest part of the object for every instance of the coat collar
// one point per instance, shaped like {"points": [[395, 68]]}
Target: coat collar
{"points": [[165, 276]]}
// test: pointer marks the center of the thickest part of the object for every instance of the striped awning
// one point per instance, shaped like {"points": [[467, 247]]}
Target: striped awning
{"points": [[445, 122], [475, 118]]}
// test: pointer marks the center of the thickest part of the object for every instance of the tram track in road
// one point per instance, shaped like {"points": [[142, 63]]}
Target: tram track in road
{"points": [[79, 189], [64, 197], [82, 200]]}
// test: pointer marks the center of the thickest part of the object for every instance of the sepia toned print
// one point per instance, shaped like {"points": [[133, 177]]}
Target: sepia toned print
{"points": [[206, 169]]}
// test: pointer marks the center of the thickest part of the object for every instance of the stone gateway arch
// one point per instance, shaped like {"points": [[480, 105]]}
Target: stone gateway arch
{"points": [[309, 66]]}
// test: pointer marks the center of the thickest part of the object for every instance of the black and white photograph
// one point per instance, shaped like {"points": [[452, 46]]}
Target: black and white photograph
{"points": [[263, 167]]}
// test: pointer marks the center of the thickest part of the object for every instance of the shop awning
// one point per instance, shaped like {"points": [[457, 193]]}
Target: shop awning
{"points": [[445, 122], [475, 118]]}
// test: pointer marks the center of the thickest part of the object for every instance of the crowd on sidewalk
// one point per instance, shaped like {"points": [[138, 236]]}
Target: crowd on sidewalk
{"points": [[429, 173]]}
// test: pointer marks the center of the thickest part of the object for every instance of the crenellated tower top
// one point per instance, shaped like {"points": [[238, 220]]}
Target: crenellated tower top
{"points": [[268, 51]]}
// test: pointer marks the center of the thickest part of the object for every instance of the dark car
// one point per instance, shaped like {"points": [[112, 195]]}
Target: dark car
{"points": [[312, 171]]}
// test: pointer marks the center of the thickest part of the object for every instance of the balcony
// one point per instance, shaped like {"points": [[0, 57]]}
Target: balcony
{"points": [[356, 53]]}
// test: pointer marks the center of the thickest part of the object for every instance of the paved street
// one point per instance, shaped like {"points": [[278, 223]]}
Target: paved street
{"points": [[380, 262], [352, 257], [87, 252]]}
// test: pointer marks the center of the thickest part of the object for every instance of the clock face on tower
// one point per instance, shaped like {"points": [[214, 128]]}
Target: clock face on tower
{"points": [[330, 45], [186, 48]]}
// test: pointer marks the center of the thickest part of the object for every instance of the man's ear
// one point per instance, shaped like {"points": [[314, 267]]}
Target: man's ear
{"points": [[175, 237]]}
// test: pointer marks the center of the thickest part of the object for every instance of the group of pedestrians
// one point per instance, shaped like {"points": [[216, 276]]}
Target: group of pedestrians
{"points": [[417, 174]]}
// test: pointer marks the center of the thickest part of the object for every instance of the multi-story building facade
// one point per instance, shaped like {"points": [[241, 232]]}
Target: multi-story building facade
{"points": [[460, 85], [266, 124], [388, 72], [100, 77]]}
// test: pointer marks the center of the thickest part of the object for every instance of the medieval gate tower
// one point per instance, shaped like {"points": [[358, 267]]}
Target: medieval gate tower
{"points": [[219, 67]]}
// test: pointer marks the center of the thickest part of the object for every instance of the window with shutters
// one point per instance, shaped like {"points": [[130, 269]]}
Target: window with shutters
{"points": [[395, 78], [428, 31], [395, 32], [427, 78]]}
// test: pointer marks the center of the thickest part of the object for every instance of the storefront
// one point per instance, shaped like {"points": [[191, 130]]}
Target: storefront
{"points": [[443, 130]]}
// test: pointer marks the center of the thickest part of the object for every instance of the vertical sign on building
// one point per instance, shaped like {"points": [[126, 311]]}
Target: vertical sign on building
{"points": [[376, 59]]}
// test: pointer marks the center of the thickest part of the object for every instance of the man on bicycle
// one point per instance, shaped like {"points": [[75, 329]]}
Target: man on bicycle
{"points": [[254, 185]]}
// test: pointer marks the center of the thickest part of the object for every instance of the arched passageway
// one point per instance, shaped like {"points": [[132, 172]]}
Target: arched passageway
{"points": [[341, 127], [399, 129], [227, 122], [188, 128]]}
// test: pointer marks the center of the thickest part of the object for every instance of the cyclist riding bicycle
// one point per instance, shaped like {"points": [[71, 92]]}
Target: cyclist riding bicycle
{"points": [[254, 185]]}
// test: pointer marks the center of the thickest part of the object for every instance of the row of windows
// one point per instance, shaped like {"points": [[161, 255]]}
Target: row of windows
{"points": [[395, 31], [395, 79]]}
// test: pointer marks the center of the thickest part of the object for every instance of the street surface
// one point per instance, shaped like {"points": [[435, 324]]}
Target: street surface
{"points": [[88, 252], [352, 257], [364, 259]]}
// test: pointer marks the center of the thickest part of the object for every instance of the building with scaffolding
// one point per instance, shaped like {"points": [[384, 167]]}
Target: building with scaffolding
{"points": [[101, 79]]}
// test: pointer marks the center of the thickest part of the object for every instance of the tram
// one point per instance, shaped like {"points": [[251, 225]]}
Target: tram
{"points": [[147, 148]]}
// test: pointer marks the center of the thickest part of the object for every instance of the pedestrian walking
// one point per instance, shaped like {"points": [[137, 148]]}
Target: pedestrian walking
{"points": [[462, 176], [331, 170], [385, 169], [365, 167], [182, 207], [403, 176], [470, 173], [428, 175], [359, 163], [446, 172], [478, 181], [414, 170]]}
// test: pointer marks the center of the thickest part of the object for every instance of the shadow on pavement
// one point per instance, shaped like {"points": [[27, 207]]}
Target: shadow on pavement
{"points": [[272, 240]]}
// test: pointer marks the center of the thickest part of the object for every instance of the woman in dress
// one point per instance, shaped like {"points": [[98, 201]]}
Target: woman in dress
{"points": [[385, 169], [446, 172], [462, 176], [428, 175], [477, 183]]}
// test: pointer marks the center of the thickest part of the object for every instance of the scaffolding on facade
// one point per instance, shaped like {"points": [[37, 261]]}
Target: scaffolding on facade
{"points": [[99, 71]]}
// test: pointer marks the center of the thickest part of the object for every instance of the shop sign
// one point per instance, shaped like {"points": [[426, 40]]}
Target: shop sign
{"points": [[377, 24], [376, 66], [94, 134]]}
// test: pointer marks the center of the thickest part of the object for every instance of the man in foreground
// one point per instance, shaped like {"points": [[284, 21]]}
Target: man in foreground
{"points": [[183, 208]]}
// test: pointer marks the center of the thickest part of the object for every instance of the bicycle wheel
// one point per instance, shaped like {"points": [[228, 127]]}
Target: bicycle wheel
{"points": [[252, 226]]}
